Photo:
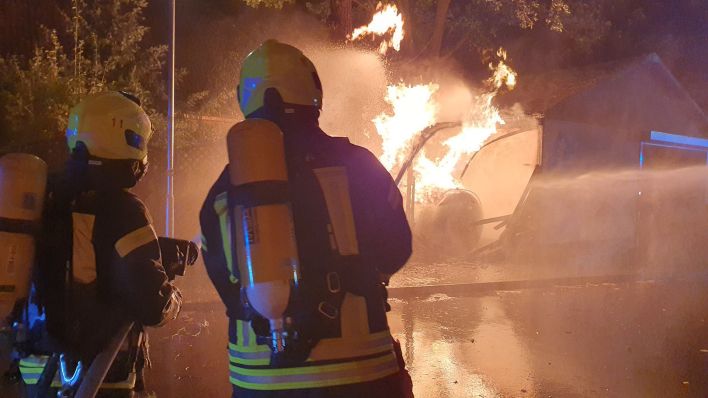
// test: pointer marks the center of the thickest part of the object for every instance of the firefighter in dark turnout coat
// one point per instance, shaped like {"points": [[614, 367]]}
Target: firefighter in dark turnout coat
{"points": [[351, 352], [99, 258]]}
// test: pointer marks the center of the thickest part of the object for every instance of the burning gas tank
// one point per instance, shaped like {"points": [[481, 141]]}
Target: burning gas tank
{"points": [[448, 229]]}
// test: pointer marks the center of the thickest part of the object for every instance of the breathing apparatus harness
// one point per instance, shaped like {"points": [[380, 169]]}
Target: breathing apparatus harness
{"points": [[313, 310]]}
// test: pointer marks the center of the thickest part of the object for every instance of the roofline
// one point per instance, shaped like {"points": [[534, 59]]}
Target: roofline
{"points": [[654, 57]]}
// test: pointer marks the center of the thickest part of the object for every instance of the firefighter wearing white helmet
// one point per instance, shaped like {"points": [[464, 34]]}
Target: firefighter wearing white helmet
{"points": [[103, 232], [297, 232]]}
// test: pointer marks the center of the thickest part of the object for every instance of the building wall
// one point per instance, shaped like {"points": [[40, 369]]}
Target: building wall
{"points": [[592, 200], [576, 148]]}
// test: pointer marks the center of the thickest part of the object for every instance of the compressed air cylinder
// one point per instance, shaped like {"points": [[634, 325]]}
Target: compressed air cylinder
{"points": [[264, 234], [23, 180]]}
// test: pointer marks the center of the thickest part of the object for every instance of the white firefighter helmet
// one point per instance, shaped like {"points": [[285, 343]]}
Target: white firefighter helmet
{"points": [[111, 125], [282, 67]]}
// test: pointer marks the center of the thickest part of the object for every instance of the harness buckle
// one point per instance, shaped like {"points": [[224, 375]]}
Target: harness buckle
{"points": [[333, 283], [328, 310]]}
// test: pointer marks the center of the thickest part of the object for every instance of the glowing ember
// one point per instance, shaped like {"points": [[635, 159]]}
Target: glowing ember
{"points": [[414, 109], [386, 21]]}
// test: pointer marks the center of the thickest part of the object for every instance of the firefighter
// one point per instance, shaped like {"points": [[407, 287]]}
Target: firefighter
{"points": [[350, 231], [99, 264]]}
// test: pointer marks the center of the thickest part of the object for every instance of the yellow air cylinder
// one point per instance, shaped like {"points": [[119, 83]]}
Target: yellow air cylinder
{"points": [[23, 181], [264, 239]]}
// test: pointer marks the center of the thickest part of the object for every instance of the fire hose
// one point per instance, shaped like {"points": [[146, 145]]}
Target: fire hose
{"points": [[177, 254], [91, 383]]}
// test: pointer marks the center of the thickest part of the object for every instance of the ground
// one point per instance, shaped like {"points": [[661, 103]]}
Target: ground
{"points": [[491, 335], [476, 330]]}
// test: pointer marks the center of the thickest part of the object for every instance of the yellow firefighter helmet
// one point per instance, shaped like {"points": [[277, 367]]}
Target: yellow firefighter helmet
{"points": [[111, 125], [282, 67]]}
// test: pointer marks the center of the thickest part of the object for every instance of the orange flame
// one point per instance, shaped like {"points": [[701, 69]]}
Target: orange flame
{"points": [[503, 74], [386, 20], [415, 108]]}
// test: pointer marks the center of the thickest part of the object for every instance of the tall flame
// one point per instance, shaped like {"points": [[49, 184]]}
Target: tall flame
{"points": [[386, 21], [415, 108]]}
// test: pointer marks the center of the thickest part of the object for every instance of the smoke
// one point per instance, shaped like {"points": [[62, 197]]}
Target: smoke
{"points": [[354, 83], [212, 50], [497, 175], [627, 221]]}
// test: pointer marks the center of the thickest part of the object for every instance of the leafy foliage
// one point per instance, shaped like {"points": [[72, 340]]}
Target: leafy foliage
{"points": [[99, 47], [34, 97], [269, 3]]}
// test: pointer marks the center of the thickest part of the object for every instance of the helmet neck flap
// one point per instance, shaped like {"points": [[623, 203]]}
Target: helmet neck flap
{"points": [[291, 118], [93, 173]]}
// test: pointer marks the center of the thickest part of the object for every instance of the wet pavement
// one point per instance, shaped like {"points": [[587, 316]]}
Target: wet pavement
{"points": [[607, 336], [480, 331]]}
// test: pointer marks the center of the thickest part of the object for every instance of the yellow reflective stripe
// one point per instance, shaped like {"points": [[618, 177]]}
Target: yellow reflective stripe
{"points": [[305, 370], [83, 255], [310, 384], [34, 361], [246, 339], [31, 370], [350, 346], [256, 348], [245, 353], [314, 376], [373, 343], [246, 350], [221, 208], [250, 361], [334, 183], [133, 240]]}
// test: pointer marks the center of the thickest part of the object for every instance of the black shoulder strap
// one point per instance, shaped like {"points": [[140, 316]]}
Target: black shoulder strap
{"points": [[54, 243]]}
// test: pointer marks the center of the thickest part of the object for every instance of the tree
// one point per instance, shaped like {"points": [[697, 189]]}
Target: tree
{"points": [[439, 27], [34, 95], [269, 3], [481, 21], [98, 47], [108, 52], [342, 17]]}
